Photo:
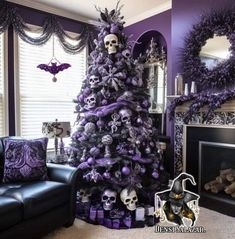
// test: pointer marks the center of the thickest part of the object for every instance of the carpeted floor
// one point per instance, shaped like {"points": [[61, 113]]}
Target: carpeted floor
{"points": [[218, 226]]}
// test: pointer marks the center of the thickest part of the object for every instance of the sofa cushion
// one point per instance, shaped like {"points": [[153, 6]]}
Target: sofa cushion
{"points": [[6, 187], [40, 197], [11, 212], [25, 160]]}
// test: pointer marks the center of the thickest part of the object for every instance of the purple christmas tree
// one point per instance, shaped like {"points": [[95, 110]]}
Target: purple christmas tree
{"points": [[115, 145]]}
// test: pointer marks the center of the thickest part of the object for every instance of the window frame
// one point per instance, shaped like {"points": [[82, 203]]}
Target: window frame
{"points": [[5, 85], [17, 82]]}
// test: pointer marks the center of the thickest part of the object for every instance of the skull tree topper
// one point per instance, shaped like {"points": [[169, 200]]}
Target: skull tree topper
{"points": [[129, 198], [108, 199], [111, 43]]}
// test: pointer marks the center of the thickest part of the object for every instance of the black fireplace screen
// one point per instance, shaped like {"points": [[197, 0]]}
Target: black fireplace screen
{"points": [[210, 158], [216, 167]]}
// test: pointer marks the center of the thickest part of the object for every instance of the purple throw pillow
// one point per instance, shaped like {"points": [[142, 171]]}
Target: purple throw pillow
{"points": [[25, 160]]}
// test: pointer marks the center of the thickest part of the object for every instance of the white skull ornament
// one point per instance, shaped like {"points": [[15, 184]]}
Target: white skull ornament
{"points": [[129, 198], [125, 116], [111, 43], [84, 195], [94, 81], [90, 101], [108, 199]]}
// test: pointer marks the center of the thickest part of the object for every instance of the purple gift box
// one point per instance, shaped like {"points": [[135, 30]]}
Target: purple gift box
{"points": [[82, 210], [93, 213], [100, 215], [116, 223], [150, 221], [108, 222], [127, 221]]}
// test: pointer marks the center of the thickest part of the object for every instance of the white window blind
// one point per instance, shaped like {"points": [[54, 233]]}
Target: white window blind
{"points": [[2, 95], [39, 99]]}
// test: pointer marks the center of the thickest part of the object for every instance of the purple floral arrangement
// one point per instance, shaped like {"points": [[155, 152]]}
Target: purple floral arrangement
{"points": [[219, 23]]}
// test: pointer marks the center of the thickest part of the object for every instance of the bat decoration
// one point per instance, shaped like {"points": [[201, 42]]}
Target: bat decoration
{"points": [[53, 68]]}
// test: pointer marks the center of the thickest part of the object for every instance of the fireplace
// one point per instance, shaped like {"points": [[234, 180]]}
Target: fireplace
{"points": [[209, 155]]}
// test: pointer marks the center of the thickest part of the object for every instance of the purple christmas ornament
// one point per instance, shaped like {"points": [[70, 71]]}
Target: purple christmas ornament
{"points": [[106, 175], [94, 151], [143, 170], [155, 174], [126, 171], [91, 161]]}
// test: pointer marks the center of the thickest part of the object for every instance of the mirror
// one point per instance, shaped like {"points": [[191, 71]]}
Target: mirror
{"points": [[153, 59], [215, 51]]}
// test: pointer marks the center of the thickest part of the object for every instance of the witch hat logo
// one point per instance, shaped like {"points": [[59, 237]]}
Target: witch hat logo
{"points": [[175, 204]]}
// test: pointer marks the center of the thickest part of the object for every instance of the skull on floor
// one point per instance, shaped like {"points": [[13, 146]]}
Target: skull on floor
{"points": [[108, 199], [111, 43], [84, 195], [129, 198]]}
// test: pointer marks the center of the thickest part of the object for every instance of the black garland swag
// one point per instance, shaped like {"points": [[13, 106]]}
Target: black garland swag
{"points": [[10, 16]]}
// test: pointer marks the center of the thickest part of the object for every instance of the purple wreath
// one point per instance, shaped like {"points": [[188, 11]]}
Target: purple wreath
{"points": [[218, 22]]}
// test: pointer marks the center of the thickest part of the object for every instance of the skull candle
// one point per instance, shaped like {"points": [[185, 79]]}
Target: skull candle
{"points": [[108, 199], [111, 43], [129, 198]]}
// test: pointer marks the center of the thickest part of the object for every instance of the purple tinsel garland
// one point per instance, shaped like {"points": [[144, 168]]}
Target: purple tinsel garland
{"points": [[214, 101]]}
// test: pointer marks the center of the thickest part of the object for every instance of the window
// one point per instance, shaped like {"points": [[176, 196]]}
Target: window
{"points": [[3, 111], [38, 98]]}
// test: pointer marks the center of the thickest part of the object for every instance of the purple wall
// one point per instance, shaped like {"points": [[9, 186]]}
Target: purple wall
{"points": [[186, 13], [160, 23], [174, 24]]}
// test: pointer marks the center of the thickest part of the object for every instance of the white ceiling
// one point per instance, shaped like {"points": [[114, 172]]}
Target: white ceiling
{"points": [[84, 10]]}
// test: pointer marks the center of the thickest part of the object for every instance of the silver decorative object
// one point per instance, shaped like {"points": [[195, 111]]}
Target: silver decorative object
{"points": [[83, 158], [114, 123], [139, 214], [107, 140], [90, 128]]}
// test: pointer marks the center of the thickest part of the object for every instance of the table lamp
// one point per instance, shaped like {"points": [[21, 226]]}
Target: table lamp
{"points": [[57, 130]]}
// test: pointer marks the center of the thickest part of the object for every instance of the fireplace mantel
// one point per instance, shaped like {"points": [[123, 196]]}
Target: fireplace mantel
{"points": [[226, 107], [224, 116]]}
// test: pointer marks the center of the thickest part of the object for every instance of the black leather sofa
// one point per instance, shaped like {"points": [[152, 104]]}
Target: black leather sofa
{"points": [[33, 209]]}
